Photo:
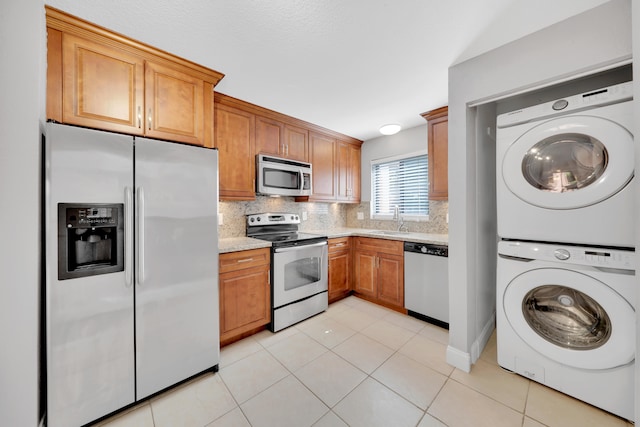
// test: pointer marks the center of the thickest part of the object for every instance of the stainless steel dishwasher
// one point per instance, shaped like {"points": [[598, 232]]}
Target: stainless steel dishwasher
{"points": [[426, 282]]}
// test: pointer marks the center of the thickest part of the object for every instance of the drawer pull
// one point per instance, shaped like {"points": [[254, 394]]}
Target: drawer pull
{"points": [[244, 260]]}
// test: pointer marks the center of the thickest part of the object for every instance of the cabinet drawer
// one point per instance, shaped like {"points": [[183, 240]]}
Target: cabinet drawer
{"points": [[233, 261], [339, 244], [392, 247]]}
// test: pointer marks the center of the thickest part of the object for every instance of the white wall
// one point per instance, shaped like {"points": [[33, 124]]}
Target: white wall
{"points": [[593, 40], [22, 41], [404, 142], [522, 18]]}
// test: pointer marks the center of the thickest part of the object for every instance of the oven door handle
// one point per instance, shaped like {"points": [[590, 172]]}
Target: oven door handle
{"points": [[295, 248]]}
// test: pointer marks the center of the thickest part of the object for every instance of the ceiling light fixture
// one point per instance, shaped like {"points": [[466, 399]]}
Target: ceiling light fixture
{"points": [[390, 129]]}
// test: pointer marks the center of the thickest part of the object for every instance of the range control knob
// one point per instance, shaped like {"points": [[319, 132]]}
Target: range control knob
{"points": [[423, 249], [562, 254], [252, 219], [259, 219]]}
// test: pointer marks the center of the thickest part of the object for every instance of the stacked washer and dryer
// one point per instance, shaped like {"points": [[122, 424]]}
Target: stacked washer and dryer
{"points": [[566, 289]]}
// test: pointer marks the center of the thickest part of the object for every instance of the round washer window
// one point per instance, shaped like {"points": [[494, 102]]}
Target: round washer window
{"points": [[565, 162], [566, 317]]}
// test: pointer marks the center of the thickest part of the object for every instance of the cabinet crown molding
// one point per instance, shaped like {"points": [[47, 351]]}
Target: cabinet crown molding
{"points": [[221, 98], [435, 114], [62, 21]]}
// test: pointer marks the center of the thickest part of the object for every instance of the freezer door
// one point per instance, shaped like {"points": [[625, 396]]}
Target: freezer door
{"points": [[177, 332], [89, 318]]}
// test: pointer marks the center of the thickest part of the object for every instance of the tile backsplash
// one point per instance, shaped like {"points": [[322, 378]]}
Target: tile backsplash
{"points": [[322, 216]]}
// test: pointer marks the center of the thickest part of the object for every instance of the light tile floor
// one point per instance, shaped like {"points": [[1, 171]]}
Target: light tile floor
{"points": [[358, 364]]}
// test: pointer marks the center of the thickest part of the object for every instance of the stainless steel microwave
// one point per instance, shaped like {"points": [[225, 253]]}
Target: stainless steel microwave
{"points": [[282, 177]]}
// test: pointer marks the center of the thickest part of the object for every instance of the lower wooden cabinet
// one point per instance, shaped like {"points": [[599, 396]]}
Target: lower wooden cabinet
{"points": [[379, 271], [340, 267], [245, 293]]}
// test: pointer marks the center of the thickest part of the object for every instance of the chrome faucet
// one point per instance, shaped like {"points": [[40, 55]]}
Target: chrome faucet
{"points": [[398, 219]]}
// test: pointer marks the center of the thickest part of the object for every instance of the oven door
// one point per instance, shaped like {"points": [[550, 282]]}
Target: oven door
{"points": [[299, 272]]}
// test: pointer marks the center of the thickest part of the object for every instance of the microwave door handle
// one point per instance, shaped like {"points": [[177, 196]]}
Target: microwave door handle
{"points": [[301, 179]]}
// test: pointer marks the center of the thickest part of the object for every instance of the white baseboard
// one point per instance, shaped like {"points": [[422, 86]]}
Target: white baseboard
{"points": [[459, 359], [462, 359], [483, 338]]}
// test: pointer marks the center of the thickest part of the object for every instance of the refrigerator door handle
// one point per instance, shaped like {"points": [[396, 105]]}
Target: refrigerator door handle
{"points": [[140, 237], [128, 236]]}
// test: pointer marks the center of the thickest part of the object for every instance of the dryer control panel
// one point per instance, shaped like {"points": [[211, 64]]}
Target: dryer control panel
{"points": [[596, 257], [599, 97]]}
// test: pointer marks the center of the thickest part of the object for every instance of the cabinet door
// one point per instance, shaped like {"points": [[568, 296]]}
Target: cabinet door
{"points": [[103, 87], [174, 103], [339, 274], [245, 301], [354, 172], [438, 136], [348, 172], [391, 279], [323, 153], [342, 174], [269, 137], [235, 143], [296, 143], [365, 273]]}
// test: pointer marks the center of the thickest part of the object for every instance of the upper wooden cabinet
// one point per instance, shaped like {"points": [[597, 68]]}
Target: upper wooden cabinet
{"points": [[348, 172], [296, 144], [235, 138], [281, 140], [438, 149], [336, 169], [322, 152], [175, 104], [335, 158], [103, 80]]}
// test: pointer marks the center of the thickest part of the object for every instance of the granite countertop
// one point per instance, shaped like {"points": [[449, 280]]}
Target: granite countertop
{"points": [[438, 239], [234, 244]]}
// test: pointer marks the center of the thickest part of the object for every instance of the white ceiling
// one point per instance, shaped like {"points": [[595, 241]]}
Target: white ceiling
{"points": [[348, 65]]}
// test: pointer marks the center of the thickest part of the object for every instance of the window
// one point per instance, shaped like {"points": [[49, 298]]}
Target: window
{"points": [[403, 182]]}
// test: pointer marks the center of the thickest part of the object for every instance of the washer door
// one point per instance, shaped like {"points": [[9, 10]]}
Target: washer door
{"points": [[571, 318], [569, 162]]}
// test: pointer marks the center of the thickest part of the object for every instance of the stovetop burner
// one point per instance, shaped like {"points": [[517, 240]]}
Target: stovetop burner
{"points": [[281, 229]]}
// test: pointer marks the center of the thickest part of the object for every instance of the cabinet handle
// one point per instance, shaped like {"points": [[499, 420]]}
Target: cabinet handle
{"points": [[287, 148], [244, 260], [339, 244], [139, 117], [149, 118]]}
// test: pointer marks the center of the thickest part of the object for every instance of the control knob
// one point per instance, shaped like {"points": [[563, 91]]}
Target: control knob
{"points": [[562, 254]]}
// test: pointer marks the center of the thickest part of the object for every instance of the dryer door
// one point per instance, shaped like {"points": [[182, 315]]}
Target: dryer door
{"points": [[569, 162], [571, 318]]}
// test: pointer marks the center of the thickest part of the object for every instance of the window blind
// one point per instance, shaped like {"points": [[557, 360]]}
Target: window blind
{"points": [[401, 182]]}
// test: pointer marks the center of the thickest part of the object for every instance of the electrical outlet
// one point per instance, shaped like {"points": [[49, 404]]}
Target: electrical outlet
{"points": [[220, 220], [360, 215], [304, 215], [447, 217]]}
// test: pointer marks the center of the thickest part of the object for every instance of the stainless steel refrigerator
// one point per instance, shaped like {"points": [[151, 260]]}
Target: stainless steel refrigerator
{"points": [[131, 271]]}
